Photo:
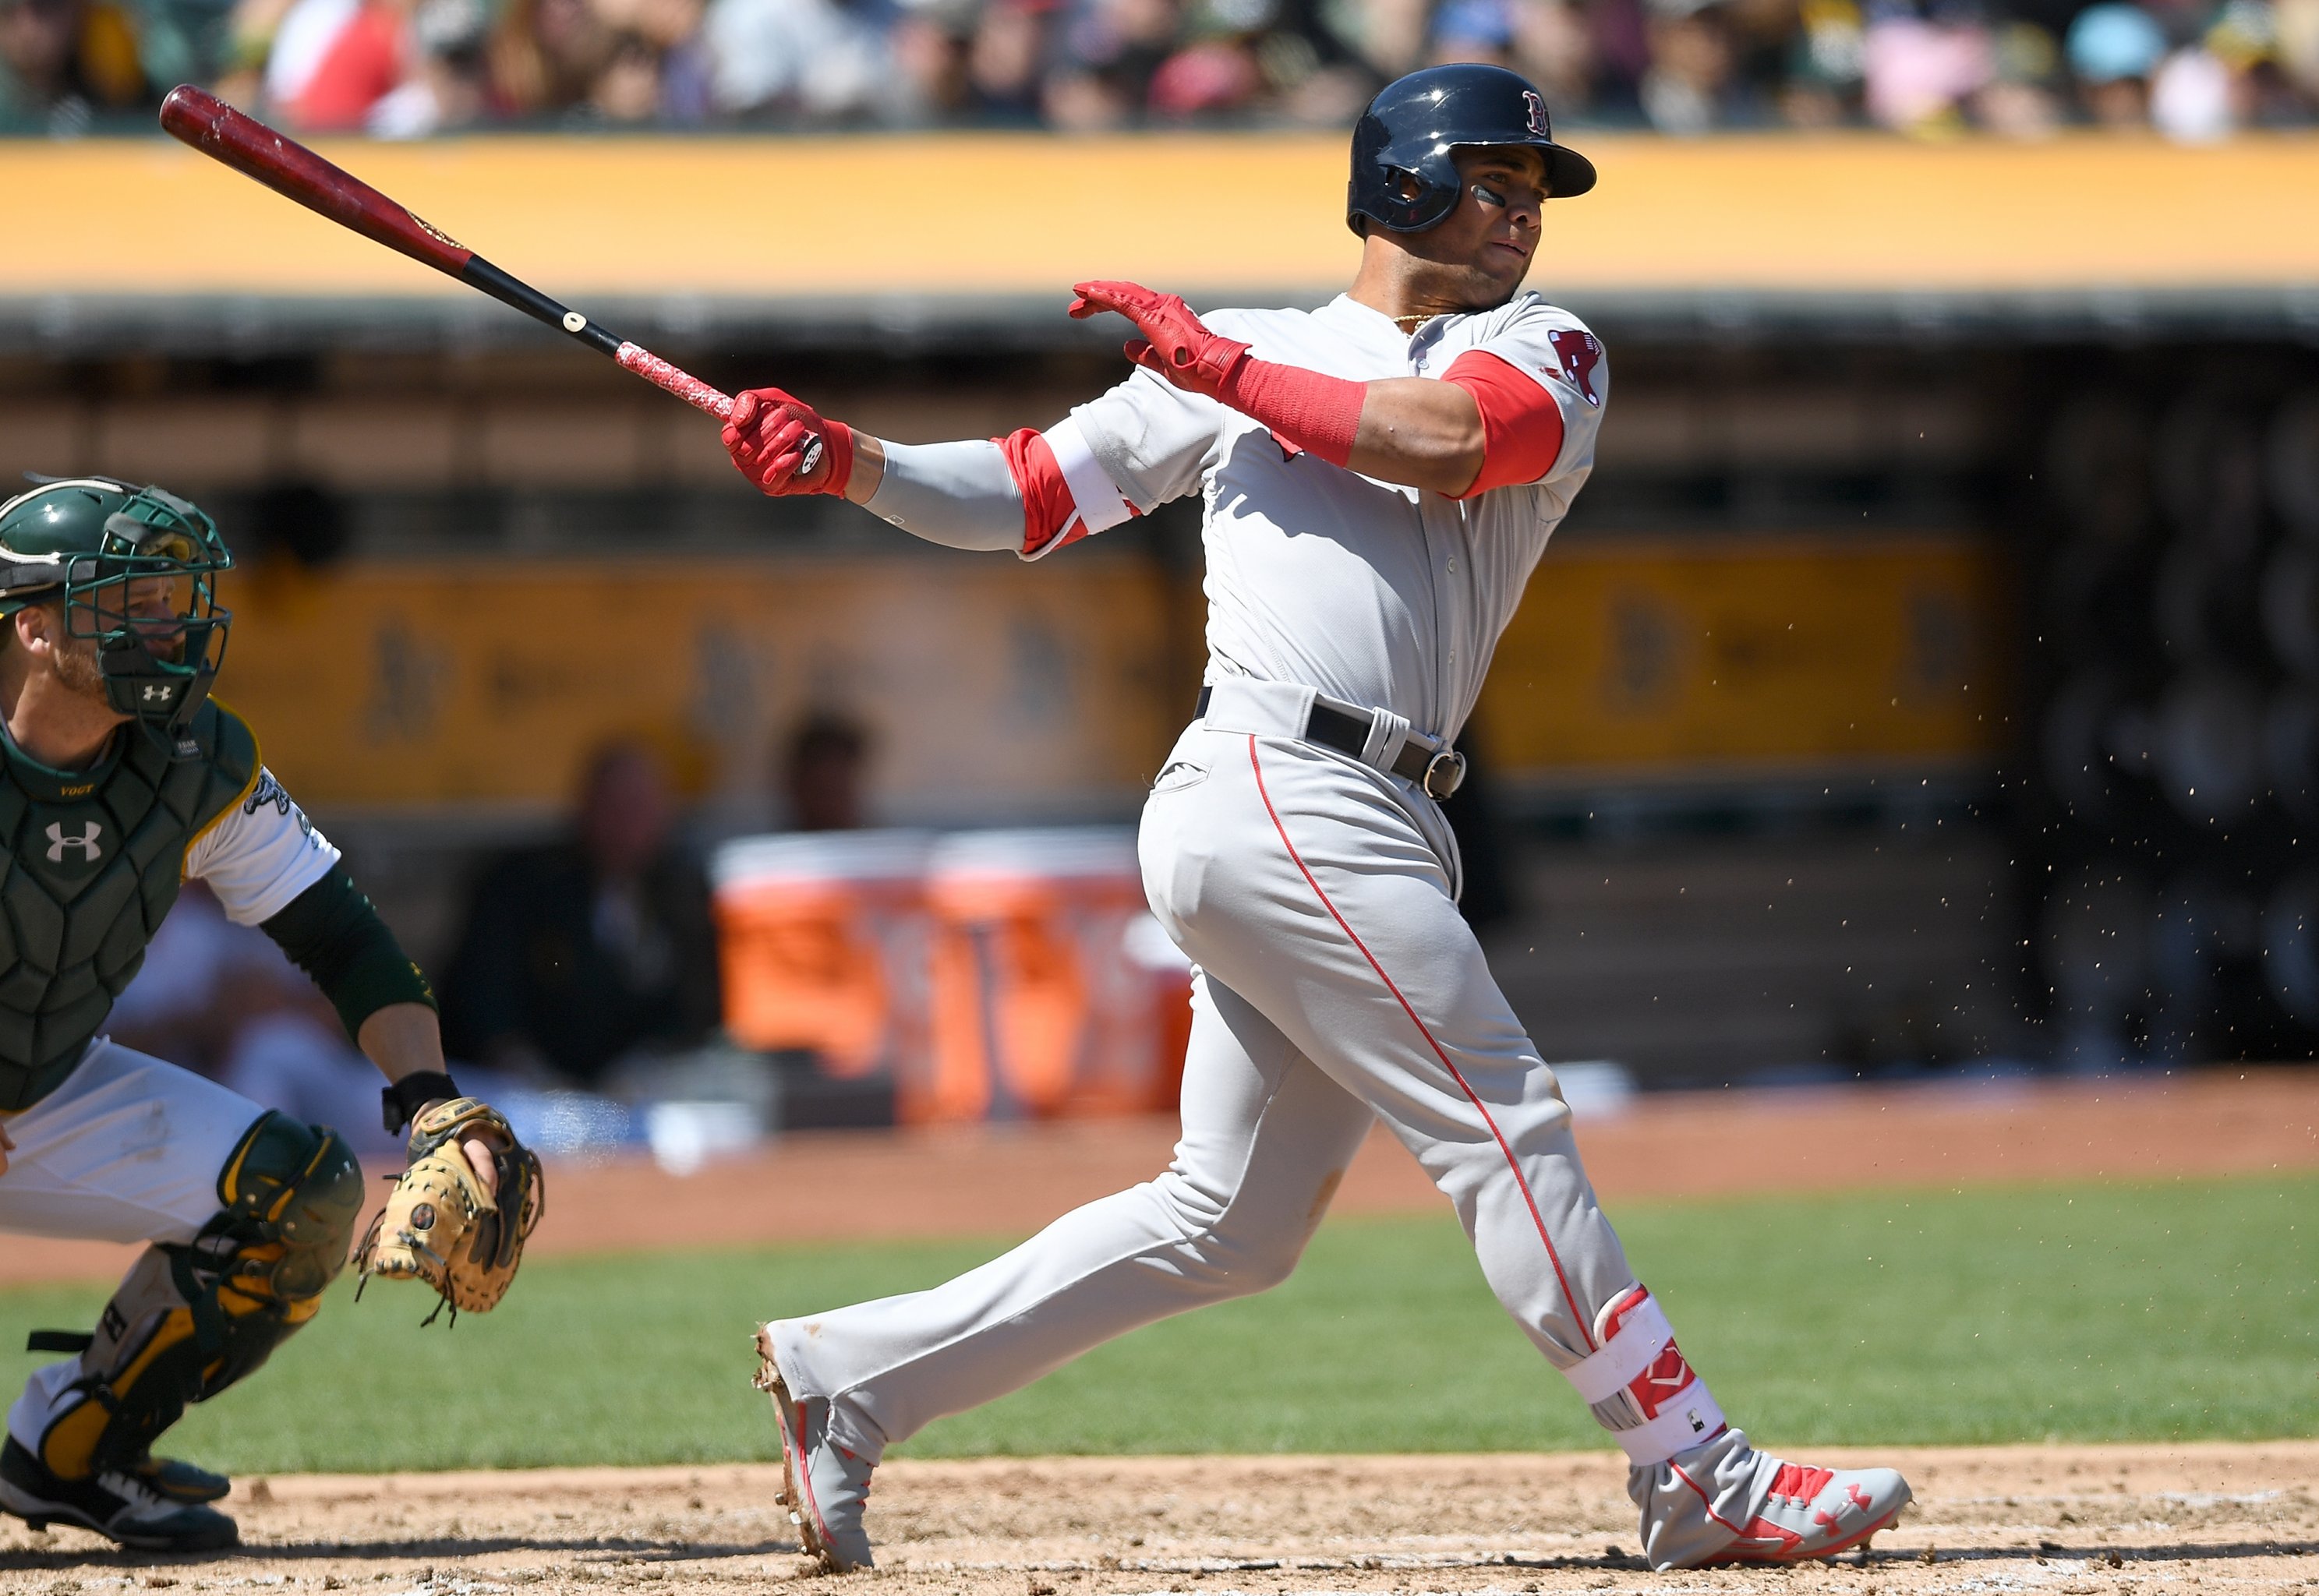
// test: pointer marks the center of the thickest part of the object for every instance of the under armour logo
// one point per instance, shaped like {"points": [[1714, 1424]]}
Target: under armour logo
{"points": [[159, 693], [86, 842]]}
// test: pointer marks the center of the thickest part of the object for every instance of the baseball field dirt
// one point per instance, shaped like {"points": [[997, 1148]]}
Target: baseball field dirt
{"points": [[2199, 1517]]}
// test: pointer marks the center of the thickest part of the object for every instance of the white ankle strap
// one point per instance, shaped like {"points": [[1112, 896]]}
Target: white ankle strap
{"points": [[1692, 1417], [1619, 1361], [1689, 1417]]}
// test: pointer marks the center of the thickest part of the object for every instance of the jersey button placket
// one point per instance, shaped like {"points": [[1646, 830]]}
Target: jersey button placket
{"points": [[1440, 690]]}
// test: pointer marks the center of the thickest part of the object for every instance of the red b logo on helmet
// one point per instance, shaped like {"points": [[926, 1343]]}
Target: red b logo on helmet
{"points": [[1537, 108]]}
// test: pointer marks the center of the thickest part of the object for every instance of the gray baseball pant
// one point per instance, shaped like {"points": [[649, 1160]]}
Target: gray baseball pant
{"points": [[1337, 983]]}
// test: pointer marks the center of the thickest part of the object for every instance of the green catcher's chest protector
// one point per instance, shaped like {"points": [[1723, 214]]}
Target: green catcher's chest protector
{"points": [[90, 861]]}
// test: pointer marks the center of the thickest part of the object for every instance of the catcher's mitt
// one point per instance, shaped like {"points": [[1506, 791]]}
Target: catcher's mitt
{"points": [[439, 1226]]}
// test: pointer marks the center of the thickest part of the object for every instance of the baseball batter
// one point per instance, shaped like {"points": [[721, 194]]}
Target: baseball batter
{"points": [[1379, 478], [119, 780]]}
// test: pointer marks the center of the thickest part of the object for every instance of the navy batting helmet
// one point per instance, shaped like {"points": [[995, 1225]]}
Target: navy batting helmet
{"points": [[1403, 177]]}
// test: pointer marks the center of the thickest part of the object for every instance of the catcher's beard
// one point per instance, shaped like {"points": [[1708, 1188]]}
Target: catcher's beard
{"points": [[75, 667]]}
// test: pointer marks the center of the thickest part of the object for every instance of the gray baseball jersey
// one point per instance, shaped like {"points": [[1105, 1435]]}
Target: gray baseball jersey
{"points": [[1369, 592]]}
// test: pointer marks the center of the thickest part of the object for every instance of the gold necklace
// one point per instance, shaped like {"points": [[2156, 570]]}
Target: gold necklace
{"points": [[1412, 323]]}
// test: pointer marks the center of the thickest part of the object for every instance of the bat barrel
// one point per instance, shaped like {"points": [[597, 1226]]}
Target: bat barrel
{"points": [[198, 118]]}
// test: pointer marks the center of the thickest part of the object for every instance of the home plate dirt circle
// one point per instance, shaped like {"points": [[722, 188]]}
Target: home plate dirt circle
{"points": [[2195, 1519]]}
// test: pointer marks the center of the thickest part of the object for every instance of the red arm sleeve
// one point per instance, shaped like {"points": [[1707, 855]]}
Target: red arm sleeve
{"points": [[1521, 425], [1305, 410], [1049, 510]]}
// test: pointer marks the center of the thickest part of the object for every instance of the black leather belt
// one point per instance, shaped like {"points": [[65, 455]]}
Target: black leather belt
{"points": [[1437, 775]]}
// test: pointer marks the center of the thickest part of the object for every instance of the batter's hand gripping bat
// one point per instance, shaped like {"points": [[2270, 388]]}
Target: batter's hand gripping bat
{"points": [[291, 169]]}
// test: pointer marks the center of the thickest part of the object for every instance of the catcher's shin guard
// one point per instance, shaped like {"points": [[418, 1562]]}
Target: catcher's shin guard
{"points": [[190, 1320]]}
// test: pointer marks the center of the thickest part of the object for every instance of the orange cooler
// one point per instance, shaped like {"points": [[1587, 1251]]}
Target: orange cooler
{"points": [[822, 938], [1054, 992]]}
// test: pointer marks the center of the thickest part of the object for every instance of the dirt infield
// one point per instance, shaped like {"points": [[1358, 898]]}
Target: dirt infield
{"points": [[2071, 1521], [1010, 1179]]}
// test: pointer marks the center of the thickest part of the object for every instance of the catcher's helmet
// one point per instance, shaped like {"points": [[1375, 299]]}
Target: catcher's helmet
{"points": [[1403, 178], [84, 540]]}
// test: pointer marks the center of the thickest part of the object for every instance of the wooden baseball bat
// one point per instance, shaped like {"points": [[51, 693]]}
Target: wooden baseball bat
{"points": [[291, 169]]}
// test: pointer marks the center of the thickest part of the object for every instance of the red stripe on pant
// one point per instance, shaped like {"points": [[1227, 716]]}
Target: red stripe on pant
{"points": [[1457, 1075]]}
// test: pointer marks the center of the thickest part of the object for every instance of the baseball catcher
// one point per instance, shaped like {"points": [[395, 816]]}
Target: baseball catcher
{"points": [[1379, 478], [121, 778]]}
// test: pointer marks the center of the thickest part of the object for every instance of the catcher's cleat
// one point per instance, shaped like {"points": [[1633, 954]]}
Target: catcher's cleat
{"points": [[178, 1481], [823, 1485], [1808, 1513], [119, 1506]]}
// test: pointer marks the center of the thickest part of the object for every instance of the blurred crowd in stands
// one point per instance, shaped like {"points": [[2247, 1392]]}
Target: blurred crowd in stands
{"points": [[2195, 69]]}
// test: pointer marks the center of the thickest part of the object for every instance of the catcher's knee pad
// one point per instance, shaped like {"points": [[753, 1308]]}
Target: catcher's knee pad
{"points": [[190, 1319], [292, 1193]]}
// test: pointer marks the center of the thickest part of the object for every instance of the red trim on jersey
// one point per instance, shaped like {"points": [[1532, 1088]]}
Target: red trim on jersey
{"points": [[1537, 1218], [1304, 409], [1521, 425]]}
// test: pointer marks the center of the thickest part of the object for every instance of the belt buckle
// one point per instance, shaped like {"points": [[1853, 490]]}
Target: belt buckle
{"points": [[1445, 773]]}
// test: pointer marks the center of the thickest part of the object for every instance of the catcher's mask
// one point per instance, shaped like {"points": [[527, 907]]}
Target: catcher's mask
{"points": [[96, 543]]}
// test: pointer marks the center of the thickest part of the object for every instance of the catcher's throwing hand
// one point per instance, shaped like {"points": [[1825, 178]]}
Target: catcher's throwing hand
{"points": [[460, 1214], [1174, 343], [779, 443]]}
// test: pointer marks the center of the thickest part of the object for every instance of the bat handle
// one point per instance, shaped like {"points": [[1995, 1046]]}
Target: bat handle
{"points": [[700, 395], [676, 380]]}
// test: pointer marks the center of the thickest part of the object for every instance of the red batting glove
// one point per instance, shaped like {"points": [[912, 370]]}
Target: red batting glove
{"points": [[772, 437], [1174, 343]]}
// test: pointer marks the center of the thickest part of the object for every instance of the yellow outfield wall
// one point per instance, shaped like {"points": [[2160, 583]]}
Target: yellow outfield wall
{"points": [[986, 213], [992, 687], [1687, 657], [489, 682]]}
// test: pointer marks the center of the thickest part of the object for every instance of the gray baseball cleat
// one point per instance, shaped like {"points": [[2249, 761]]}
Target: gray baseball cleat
{"points": [[823, 1485], [118, 1505], [1791, 1512]]}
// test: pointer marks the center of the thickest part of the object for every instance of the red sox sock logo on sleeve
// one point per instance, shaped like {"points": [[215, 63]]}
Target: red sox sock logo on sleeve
{"points": [[1580, 354]]}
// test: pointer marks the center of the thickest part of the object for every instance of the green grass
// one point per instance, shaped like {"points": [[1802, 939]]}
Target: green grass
{"points": [[2157, 1312]]}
